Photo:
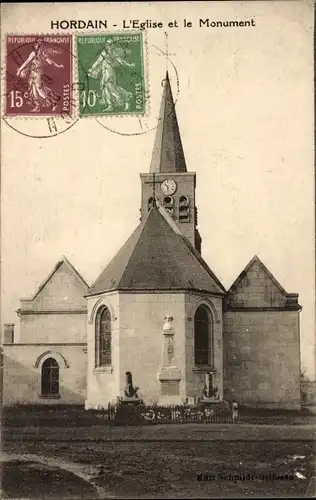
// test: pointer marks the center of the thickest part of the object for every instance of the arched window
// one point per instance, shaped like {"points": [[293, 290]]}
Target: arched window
{"points": [[184, 210], [203, 337], [50, 377], [103, 337], [150, 203], [168, 204]]}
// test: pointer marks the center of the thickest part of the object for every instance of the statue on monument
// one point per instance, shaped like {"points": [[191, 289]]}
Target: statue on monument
{"points": [[168, 323]]}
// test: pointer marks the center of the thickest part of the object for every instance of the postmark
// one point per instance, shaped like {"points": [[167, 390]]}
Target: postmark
{"points": [[161, 62], [39, 76], [114, 64]]}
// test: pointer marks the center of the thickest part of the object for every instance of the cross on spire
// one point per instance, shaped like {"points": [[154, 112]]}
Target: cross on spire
{"points": [[166, 52]]}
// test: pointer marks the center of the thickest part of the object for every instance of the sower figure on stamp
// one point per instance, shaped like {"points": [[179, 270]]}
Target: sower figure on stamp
{"points": [[39, 94], [104, 69]]}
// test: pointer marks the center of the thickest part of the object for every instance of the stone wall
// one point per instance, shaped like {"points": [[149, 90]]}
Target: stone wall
{"points": [[102, 382], [256, 288], [308, 392], [64, 290], [22, 373], [137, 344], [142, 317], [57, 313], [55, 327], [195, 378], [262, 358], [52, 324]]}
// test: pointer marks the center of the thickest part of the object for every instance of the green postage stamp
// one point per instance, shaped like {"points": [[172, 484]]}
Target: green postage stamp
{"points": [[111, 74]]}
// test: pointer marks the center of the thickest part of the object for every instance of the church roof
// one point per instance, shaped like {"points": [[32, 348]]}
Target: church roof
{"points": [[168, 153], [157, 257]]}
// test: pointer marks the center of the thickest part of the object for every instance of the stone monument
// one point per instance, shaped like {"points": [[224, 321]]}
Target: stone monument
{"points": [[169, 374], [130, 391], [210, 393], [211, 398]]}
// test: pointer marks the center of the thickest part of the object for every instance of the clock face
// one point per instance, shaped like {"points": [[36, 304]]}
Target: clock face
{"points": [[168, 186]]}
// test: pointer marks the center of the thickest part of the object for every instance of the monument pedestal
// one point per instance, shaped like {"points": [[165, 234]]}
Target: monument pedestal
{"points": [[130, 397], [130, 401], [210, 403], [169, 374], [129, 406], [170, 378]]}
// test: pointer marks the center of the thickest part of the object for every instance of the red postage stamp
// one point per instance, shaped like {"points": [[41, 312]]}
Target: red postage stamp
{"points": [[39, 75]]}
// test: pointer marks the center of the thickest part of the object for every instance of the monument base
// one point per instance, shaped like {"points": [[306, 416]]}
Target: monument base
{"points": [[130, 401], [174, 400], [205, 402], [205, 399]]}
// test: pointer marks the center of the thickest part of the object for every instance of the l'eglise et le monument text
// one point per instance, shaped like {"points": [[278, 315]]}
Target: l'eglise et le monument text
{"points": [[149, 24], [157, 311]]}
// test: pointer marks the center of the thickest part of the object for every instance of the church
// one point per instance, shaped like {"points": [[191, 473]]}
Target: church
{"points": [[158, 311]]}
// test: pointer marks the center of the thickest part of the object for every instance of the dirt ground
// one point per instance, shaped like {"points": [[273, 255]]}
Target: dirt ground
{"points": [[154, 468]]}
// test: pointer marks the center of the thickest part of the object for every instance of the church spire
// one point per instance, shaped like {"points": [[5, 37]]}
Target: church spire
{"points": [[168, 154]]}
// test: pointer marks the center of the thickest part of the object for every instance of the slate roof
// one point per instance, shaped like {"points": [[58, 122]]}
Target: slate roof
{"points": [[168, 153], [157, 257]]}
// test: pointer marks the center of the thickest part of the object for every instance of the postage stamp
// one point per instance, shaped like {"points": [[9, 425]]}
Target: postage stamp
{"points": [[39, 76], [114, 64]]}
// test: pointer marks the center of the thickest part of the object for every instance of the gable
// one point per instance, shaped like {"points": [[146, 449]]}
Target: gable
{"points": [[63, 290], [256, 287]]}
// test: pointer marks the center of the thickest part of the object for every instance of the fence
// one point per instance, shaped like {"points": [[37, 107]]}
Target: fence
{"points": [[153, 415], [116, 414]]}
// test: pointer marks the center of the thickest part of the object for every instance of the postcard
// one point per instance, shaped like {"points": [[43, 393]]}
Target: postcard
{"points": [[157, 250]]}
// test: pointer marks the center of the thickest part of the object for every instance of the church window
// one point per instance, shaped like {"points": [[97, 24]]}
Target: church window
{"points": [[168, 204], [184, 209], [203, 337], [50, 378], [150, 203], [103, 338]]}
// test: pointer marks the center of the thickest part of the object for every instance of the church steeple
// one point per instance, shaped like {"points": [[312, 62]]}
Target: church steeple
{"points": [[168, 153], [168, 183]]}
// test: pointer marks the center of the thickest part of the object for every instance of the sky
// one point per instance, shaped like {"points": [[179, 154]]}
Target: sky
{"points": [[244, 101]]}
